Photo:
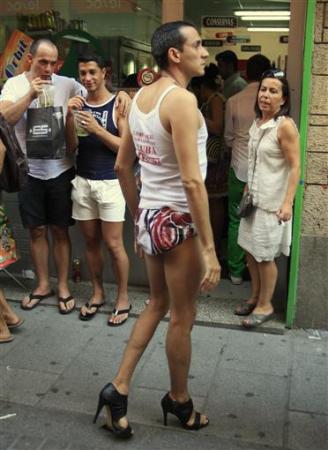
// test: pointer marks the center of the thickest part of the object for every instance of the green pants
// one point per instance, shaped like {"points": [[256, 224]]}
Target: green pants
{"points": [[236, 255]]}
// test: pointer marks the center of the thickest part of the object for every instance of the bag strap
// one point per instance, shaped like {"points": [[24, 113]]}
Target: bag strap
{"points": [[255, 158]]}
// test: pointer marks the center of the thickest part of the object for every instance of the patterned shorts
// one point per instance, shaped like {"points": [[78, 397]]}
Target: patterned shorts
{"points": [[160, 230]]}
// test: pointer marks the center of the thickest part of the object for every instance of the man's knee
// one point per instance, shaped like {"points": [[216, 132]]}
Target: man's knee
{"points": [[183, 318], [115, 245], [37, 233], [59, 233]]}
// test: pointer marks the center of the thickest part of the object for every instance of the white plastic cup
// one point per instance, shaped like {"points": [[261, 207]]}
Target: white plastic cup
{"points": [[47, 96]]}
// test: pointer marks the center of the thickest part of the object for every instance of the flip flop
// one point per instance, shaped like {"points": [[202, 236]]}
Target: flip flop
{"points": [[244, 309], [38, 297], [119, 312], [16, 324], [254, 320], [87, 315], [7, 339], [65, 300]]}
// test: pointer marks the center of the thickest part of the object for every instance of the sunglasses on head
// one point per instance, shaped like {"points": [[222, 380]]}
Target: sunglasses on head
{"points": [[273, 73]]}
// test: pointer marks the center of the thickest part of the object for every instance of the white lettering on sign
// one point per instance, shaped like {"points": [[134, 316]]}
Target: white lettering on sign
{"points": [[11, 7], [219, 22], [99, 4]]}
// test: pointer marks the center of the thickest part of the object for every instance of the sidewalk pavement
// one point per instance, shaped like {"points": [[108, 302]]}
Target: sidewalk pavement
{"points": [[260, 390]]}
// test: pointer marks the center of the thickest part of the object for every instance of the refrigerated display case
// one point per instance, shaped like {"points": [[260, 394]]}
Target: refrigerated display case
{"points": [[127, 56]]}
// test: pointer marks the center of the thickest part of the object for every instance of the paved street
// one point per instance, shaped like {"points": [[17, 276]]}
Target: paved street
{"points": [[261, 391]]}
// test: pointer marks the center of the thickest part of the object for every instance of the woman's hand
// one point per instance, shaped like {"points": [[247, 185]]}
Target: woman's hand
{"points": [[285, 212], [212, 271], [122, 103], [88, 122], [75, 103]]}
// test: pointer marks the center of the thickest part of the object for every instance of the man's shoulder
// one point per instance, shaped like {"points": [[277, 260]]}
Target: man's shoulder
{"points": [[61, 79], [180, 94], [17, 79]]}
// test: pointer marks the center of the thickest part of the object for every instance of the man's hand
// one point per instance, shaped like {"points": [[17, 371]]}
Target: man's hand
{"points": [[122, 103], [88, 122], [36, 86], [138, 249], [212, 270], [75, 103]]}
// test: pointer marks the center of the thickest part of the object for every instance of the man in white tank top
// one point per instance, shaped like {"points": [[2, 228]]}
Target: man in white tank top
{"points": [[167, 133]]}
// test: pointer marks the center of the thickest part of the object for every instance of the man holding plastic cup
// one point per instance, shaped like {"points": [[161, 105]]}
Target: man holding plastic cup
{"points": [[94, 128], [45, 203]]}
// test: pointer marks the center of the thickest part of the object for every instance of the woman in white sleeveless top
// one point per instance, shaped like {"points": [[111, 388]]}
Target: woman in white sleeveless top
{"points": [[273, 176]]}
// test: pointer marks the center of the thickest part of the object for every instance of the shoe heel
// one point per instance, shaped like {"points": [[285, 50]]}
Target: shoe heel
{"points": [[165, 411], [165, 417], [101, 404]]}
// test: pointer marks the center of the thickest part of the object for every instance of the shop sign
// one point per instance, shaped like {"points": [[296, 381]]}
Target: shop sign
{"points": [[250, 48], [13, 60], [238, 39], [219, 22], [223, 35], [212, 43], [103, 6], [13, 7], [283, 39]]}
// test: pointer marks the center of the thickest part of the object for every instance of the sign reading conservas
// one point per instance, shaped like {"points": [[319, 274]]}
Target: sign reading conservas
{"points": [[219, 22]]}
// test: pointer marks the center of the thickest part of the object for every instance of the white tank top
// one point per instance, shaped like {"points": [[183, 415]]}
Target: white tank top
{"points": [[160, 175]]}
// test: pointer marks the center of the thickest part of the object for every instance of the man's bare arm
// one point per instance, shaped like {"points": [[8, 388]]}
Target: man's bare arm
{"points": [[184, 133], [124, 170], [12, 112], [2, 154]]}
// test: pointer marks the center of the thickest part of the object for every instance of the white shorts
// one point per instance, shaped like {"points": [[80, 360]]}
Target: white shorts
{"points": [[97, 199]]}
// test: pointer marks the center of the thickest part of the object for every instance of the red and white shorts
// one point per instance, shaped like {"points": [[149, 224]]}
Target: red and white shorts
{"points": [[159, 230]]}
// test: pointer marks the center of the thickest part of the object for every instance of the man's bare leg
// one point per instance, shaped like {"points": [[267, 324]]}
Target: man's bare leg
{"points": [[62, 256], [183, 272], [91, 231], [40, 255], [113, 236], [8, 313], [146, 324]]}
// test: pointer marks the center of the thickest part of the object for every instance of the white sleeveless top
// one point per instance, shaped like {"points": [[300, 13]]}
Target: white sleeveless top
{"points": [[160, 175], [269, 182]]}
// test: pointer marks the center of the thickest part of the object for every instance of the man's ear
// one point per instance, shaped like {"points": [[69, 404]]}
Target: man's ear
{"points": [[174, 54], [29, 58]]}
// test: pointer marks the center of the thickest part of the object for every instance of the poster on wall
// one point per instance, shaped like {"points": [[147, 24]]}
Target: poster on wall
{"points": [[13, 59]]}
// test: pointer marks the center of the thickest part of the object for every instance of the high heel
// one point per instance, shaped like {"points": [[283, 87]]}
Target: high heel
{"points": [[183, 411], [116, 407]]}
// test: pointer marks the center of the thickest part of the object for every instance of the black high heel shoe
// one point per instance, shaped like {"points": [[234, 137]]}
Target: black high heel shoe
{"points": [[183, 411], [116, 407]]}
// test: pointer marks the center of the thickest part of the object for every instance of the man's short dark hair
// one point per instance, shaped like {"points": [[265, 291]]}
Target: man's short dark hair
{"points": [[166, 36], [256, 65], [92, 58], [228, 57], [36, 44]]}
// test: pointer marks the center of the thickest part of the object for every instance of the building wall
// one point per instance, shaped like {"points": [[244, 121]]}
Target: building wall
{"points": [[312, 298]]}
